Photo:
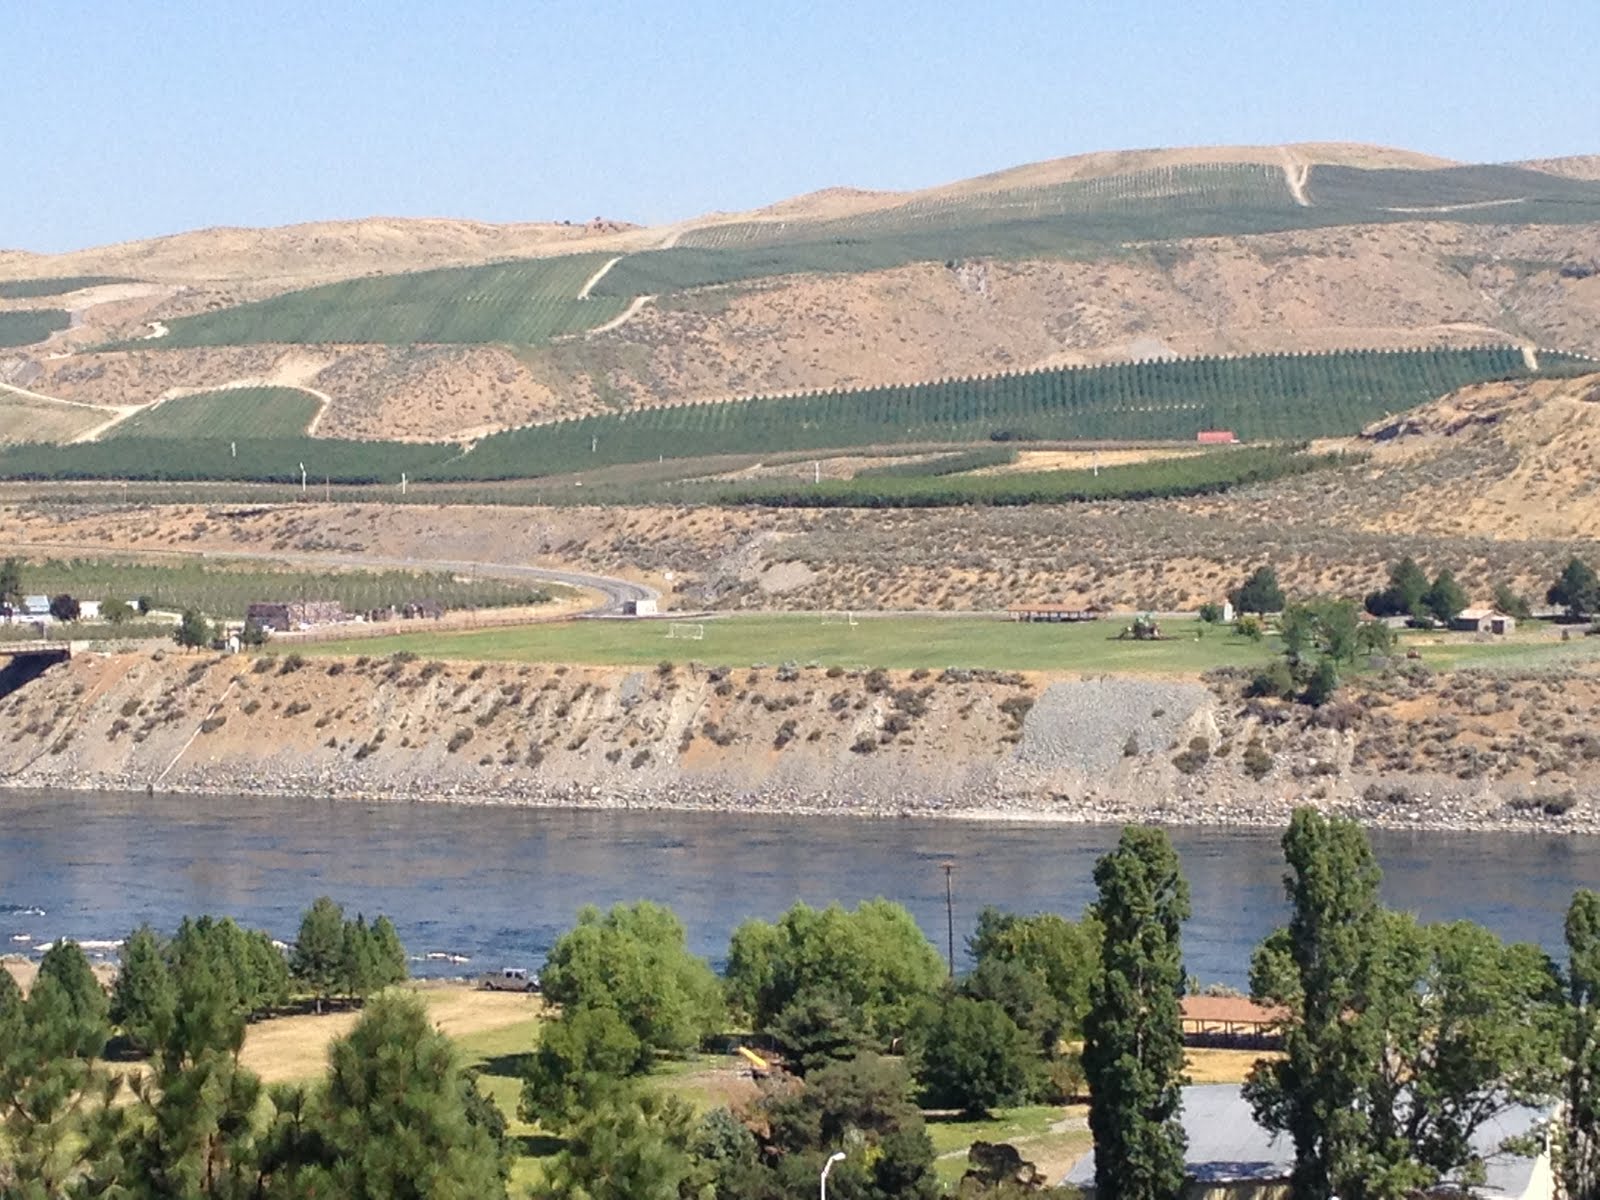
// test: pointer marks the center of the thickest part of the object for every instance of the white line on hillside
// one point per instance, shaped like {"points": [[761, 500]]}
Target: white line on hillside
{"points": [[623, 317], [1450, 208], [210, 712], [583, 293], [1296, 174]]}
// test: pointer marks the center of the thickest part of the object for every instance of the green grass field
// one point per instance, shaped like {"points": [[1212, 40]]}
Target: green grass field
{"points": [[528, 301], [909, 642], [25, 327], [892, 642], [266, 412]]}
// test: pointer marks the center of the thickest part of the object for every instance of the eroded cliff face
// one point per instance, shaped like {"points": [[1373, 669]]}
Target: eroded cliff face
{"points": [[1452, 751]]}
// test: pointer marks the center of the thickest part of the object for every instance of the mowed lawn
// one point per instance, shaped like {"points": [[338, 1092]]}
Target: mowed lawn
{"points": [[1188, 647], [892, 642]]}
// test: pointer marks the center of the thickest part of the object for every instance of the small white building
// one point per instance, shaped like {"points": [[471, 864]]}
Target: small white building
{"points": [[35, 608], [1483, 620], [643, 607], [88, 610]]}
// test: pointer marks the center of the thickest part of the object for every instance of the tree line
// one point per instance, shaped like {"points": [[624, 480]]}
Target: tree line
{"points": [[394, 1114], [1324, 635], [1402, 1040]]}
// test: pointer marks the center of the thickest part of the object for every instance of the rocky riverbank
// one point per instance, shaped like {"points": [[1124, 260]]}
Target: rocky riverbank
{"points": [[975, 745]]}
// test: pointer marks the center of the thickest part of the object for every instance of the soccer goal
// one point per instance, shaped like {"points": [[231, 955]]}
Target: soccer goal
{"points": [[845, 618], [686, 631]]}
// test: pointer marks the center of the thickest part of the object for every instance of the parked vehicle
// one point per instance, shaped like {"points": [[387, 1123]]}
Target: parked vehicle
{"points": [[511, 979]]}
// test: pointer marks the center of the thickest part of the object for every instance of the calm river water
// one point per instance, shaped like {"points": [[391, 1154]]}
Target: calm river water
{"points": [[497, 885]]}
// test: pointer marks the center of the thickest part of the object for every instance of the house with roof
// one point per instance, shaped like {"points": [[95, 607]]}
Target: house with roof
{"points": [[1483, 620], [1231, 1157]]}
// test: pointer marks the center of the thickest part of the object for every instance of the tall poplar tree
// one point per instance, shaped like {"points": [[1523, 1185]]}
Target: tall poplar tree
{"points": [[1580, 1161], [1133, 1033], [1319, 968]]}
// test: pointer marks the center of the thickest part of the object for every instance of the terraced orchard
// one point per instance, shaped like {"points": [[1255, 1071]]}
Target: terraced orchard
{"points": [[1287, 397], [26, 327], [528, 301], [229, 413]]}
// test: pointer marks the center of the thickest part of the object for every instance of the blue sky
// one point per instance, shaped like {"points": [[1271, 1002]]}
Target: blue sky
{"points": [[139, 118]]}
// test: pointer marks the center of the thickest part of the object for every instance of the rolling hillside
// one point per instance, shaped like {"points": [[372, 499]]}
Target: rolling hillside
{"points": [[454, 329]]}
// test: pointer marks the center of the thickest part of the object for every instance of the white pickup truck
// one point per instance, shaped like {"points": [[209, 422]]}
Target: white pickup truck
{"points": [[511, 979]]}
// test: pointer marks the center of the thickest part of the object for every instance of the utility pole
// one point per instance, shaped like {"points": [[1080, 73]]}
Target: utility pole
{"points": [[950, 914]]}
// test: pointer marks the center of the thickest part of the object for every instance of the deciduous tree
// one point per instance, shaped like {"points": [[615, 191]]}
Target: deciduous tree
{"points": [[1577, 590], [1133, 1037], [972, 1056], [1259, 593], [193, 631], [874, 960], [1445, 598], [635, 960], [1580, 1158]]}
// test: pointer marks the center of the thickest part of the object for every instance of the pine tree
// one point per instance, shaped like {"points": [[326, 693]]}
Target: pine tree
{"points": [[144, 998], [1133, 1034], [195, 1135], [65, 963], [318, 959], [55, 1097], [390, 957], [391, 1120]]}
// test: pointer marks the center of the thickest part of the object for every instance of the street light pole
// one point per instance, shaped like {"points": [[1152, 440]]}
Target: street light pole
{"points": [[837, 1157], [950, 915]]}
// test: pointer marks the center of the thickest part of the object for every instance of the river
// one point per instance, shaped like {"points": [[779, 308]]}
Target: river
{"points": [[496, 885]]}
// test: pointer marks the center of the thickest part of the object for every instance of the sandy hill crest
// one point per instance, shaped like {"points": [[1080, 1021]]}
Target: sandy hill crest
{"points": [[321, 250]]}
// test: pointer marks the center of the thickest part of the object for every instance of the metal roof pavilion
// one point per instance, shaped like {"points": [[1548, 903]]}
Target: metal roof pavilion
{"points": [[1227, 1146]]}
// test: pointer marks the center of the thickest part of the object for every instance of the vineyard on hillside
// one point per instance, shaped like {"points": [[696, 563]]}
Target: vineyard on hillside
{"points": [[527, 301], [266, 412], [254, 460], [1262, 397], [25, 327], [1153, 192], [28, 419], [1192, 475], [224, 589], [29, 289], [1548, 197]]}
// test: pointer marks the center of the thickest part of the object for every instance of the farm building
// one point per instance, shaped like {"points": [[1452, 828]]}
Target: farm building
{"points": [[1230, 1156], [284, 615], [1217, 437], [1483, 620]]}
